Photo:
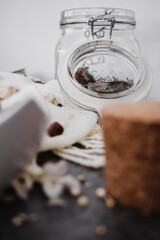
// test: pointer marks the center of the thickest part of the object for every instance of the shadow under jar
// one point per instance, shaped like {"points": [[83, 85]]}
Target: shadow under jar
{"points": [[98, 59]]}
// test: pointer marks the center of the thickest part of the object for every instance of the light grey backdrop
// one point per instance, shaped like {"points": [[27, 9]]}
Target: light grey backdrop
{"points": [[29, 30]]}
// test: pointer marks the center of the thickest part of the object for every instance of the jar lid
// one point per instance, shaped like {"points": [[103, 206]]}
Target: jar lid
{"points": [[102, 72], [101, 16]]}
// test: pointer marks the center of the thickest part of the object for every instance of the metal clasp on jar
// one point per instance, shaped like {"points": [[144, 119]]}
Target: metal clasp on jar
{"points": [[104, 21]]}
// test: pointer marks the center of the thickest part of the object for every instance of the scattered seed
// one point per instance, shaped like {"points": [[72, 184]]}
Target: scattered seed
{"points": [[83, 201], [81, 178], [17, 221], [36, 80], [101, 230], [87, 147], [50, 98], [88, 185], [75, 192], [110, 202], [100, 192]]}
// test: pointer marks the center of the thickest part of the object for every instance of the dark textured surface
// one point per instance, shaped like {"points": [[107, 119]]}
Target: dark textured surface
{"points": [[72, 222]]}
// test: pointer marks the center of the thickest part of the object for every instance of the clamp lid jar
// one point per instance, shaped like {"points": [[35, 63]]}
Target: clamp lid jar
{"points": [[98, 58]]}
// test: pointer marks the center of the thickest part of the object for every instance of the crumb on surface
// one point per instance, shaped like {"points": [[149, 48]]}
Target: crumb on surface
{"points": [[81, 178], [75, 192], [50, 98], [83, 201], [100, 192], [101, 230], [17, 221], [110, 202], [87, 147]]}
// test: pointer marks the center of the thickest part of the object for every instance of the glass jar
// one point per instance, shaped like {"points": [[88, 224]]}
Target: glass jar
{"points": [[98, 59]]}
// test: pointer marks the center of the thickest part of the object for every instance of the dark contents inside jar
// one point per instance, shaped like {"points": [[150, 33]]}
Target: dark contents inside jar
{"points": [[84, 77], [110, 84]]}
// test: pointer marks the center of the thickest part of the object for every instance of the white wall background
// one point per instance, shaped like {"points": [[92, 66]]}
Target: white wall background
{"points": [[29, 30]]}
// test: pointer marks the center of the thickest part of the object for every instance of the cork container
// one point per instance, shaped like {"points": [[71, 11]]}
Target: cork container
{"points": [[132, 142]]}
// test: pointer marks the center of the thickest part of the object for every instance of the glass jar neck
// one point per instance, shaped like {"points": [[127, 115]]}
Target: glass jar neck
{"points": [[99, 17]]}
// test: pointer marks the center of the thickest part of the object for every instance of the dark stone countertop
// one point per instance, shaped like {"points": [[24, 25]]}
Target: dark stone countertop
{"points": [[73, 222]]}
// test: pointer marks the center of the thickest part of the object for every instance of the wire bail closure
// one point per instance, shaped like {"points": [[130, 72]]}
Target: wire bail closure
{"points": [[98, 21]]}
